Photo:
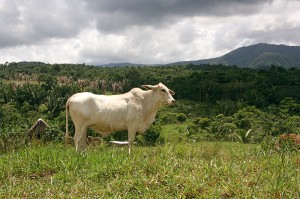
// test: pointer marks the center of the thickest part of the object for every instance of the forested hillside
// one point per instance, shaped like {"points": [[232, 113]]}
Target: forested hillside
{"points": [[256, 56], [215, 101]]}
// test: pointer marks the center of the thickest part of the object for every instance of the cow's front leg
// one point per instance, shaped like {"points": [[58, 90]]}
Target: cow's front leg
{"points": [[80, 139], [131, 137]]}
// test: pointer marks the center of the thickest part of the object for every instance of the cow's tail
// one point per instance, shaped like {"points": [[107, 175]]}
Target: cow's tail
{"points": [[67, 136]]}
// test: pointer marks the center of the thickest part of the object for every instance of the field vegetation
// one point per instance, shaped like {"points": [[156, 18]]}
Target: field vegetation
{"points": [[185, 170], [218, 141]]}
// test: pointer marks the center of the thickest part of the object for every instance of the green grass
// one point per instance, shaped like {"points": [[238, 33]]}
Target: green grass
{"points": [[199, 170], [174, 133]]}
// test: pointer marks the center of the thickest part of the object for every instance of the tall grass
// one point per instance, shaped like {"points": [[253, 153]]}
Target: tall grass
{"points": [[218, 170]]}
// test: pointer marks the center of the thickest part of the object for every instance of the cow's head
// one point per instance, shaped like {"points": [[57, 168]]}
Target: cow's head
{"points": [[162, 93]]}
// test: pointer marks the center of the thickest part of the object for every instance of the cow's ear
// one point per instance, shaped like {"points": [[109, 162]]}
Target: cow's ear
{"points": [[171, 92], [148, 87]]}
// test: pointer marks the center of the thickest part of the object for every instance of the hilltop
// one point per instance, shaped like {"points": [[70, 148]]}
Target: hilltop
{"points": [[255, 56]]}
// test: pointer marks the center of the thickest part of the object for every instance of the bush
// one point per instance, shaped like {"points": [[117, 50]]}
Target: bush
{"points": [[181, 117], [243, 135], [261, 123], [119, 136], [292, 124], [226, 107], [229, 107], [171, 118], [149, 138], [288, 142], [166, 117], [268, 144], [12, 138], [223, 131], [202, 122], [152, 135], [198, 129], [54, 135], [195, 134]]}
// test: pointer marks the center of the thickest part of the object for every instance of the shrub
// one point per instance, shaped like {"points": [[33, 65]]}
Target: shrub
{"points": [[288, 142], [268, 144], [260, 122], [226, 107], [119, 136], [243, 135], [152, 135], [166, 117], [181, 117], [292, 124], [202, 122], [223, 130], [195, 134], [54, 135]]}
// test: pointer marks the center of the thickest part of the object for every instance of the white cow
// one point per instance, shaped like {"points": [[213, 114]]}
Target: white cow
{"points": [[133, 111]]}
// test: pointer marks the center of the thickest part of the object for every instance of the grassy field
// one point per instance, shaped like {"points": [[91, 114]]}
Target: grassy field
{"points": [[198, 170]]}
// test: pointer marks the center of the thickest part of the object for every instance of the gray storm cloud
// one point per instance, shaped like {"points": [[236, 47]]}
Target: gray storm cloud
{"points": [[140, 31], [116, 15], [30, 22]]}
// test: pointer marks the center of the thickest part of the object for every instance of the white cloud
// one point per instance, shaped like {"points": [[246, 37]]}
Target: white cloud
{"points": [[140, 31], [51, 51]]}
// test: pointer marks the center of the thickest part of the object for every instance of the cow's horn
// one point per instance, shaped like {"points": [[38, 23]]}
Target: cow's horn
{"points": [[148, 87]]}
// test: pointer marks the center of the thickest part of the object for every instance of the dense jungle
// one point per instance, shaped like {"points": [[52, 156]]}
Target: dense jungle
{"points": [[214, 102]]}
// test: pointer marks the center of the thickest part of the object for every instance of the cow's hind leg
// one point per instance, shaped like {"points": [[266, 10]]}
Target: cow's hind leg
{"points": [[80, 138]]}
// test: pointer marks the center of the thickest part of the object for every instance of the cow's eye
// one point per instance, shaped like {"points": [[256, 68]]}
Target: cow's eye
{"points": [[163, 90]]}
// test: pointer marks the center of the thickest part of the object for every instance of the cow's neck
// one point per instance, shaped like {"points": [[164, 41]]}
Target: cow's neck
{"points": [[151, 106]]}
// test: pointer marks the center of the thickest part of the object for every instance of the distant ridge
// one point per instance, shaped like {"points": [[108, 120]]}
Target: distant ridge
{"points": [[255, 56], [123, 64]]}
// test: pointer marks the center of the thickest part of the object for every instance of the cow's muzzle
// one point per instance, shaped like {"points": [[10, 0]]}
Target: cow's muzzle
{"points": [[172, 101]]}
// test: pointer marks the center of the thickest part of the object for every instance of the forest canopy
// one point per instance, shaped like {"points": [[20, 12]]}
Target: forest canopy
{"points": [[204, 83], [265, 100]]}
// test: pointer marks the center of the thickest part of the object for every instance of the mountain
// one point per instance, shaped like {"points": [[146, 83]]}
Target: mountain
{"points": [[255, 56], [124, 64]]}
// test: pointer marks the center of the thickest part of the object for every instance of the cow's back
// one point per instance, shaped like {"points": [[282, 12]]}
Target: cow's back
{"points": [[99, 112], [81, 104]]}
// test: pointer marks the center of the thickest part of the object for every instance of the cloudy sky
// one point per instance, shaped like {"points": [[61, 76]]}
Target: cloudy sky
{"points": [[141, 31]]}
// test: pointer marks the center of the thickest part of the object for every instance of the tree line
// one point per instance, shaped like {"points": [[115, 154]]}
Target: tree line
{"points": [[30, 90], [203, 83]]}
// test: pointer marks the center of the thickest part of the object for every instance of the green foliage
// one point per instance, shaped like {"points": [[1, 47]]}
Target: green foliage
{"points": [[12, 138], [248, 124], [289, 106], [244, 135], [150, 138], [229, 107], [288, 145], [223, 127], [204, 83], [153, 135], [223, 103], [213, 103], [119, 136], [202, 122], [181, 117], [165, 117]]}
